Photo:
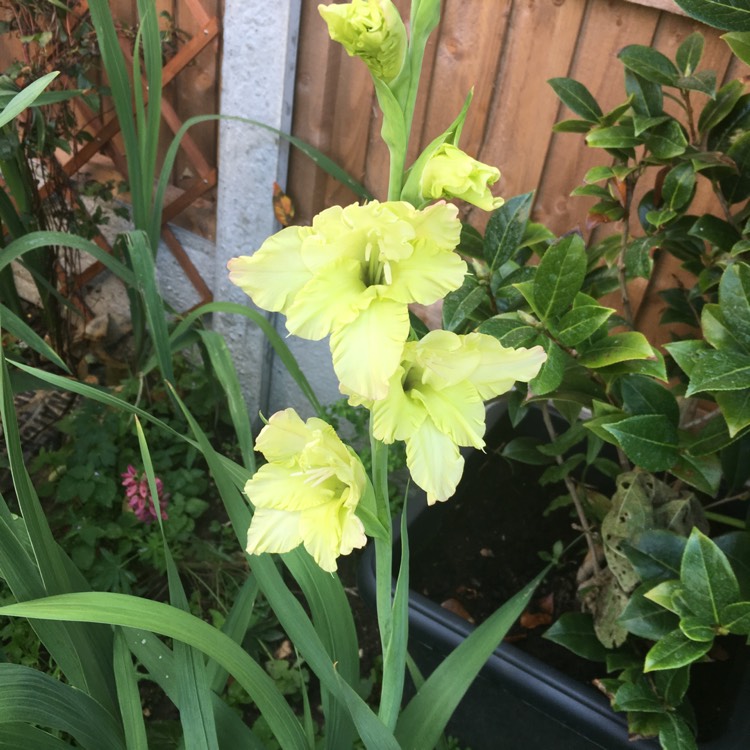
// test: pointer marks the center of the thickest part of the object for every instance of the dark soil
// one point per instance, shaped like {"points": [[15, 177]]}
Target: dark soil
{"points": [[474, 552]]}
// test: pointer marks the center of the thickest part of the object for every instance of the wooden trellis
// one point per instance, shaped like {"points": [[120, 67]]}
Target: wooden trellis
{"points": [[102, 140]]}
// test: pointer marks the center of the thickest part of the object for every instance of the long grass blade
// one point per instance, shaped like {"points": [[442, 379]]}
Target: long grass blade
{"points": [[158, 661], [324, 162], [163, 619], [25, 98], [14, 736], [196, 717], [423, 720], [142, 260], [322, 591], [221, 361], [91, 670], [33, 240], [33, 697], [277, 342], [128, 696], [23, 332]]}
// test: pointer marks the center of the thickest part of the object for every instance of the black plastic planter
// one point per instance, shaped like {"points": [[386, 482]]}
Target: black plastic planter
{"points": [[518, 701]]}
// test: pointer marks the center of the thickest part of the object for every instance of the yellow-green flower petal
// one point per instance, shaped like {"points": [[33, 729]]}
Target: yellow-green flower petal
{"points": [[442, 358], [396, 416], [280, 487], [326, 299], [500, 367], [275, 273], [456, 410], [273, 531], [367, 351], [372, 30], [434, 461], [328, 532], [451, 173], [283, 437]]}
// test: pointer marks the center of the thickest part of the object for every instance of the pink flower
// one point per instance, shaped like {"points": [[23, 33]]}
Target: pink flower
{"points": [[138, 496]]}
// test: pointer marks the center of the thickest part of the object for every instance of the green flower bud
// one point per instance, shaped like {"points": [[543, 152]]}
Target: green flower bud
{"points": [[371, 30], [450, 173]]}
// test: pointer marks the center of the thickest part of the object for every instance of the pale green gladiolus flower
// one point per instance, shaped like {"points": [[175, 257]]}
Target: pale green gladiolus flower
{"points": [[307, 493], [451, 173], [371, 30], [352, 275], [435, 401]]}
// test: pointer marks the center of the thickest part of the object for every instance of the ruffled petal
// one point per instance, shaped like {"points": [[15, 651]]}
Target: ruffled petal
{"points": [[329, 296], [283, 437], [367, 351], [500, 367], [443, 359], [456, 410], [274, 274], [322, 531], [426, 276], [434, 461], [273, 531], [397, 416], [288, 489]]}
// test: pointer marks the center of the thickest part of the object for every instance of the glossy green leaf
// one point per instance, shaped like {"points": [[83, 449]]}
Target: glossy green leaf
{"points": [[735, 407], [559, 276], [686, 353], [525, 450], [552, 372], [657, 555], [637, 696], [739, 42], [643, 395], [642, 123], [459, 305], [736, 618], [696, 629], [617, 347], [673, 651], [716, 331], [711, 582], [702, 472], [734, 301], [666, 141], [647, 96], [577, 98], [649, 64], [736, 186], [14, 735], [689, 53], [720, 371], [639, 262], [723, 14], [703, 81], [509, 331], [572, 126], [615, 136], [649, 440], [505, 230], [581, 323], [716, 231], [679, 186], [675, 733], [717, 109], [575, 631], [646, 618]]}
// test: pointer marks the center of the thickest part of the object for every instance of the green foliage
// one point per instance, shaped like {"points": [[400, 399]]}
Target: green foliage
{"points": [[528, 288]]}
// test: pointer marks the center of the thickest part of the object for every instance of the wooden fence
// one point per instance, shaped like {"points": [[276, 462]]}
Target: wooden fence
{"points": [[506, 50]]}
